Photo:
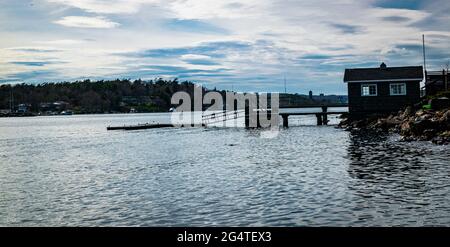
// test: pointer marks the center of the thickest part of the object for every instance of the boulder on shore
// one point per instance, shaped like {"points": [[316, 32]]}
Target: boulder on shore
{"points": [[423, 125]]}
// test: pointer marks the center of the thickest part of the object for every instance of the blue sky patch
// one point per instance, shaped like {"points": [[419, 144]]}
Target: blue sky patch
{"points": [[400, 4], [194, 26], [32, 64]]}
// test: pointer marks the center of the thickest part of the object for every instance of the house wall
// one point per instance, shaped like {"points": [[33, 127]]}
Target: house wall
{"points": [[383, 102]]}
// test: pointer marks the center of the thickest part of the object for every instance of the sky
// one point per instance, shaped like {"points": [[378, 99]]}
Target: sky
{"points": [[245, 45]]}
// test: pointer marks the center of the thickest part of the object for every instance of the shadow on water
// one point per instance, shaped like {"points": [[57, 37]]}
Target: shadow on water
{"points": [[392, 181], [374, 156]]}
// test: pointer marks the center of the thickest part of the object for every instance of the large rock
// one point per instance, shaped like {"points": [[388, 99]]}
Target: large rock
{"points": [[386, 123], [445, 134], [429, 134], [418, 127], [407, 113], [424, 125], [443, 139], [445, 118]]}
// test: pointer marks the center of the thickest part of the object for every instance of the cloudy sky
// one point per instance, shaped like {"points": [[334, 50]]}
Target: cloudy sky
{"points": [[248, 45]]}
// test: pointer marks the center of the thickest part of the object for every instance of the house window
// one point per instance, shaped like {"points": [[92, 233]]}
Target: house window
{"points": [[369, 90], [398, 88]]}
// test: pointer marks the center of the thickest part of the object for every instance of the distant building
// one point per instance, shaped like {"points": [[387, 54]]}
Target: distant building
{"points": [[437, 81], [310, 95], [23, 108], [383, 89], [57, 106]]}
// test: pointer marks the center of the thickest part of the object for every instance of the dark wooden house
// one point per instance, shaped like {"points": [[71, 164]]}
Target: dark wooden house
{"points": [[384, 89], [437, 81]]}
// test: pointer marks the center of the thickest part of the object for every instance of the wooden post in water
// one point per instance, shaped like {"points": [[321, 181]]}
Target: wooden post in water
{"points": [[258, 125], [247, 115], [325, 115], [319, 119], [285, 120]]}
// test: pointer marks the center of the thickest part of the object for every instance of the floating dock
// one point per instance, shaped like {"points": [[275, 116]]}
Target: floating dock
{"points": [[147, 126], [141, 127]]}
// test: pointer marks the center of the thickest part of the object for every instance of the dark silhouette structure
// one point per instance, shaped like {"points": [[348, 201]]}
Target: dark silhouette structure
{"points": [[382, 90], [437, 81]]}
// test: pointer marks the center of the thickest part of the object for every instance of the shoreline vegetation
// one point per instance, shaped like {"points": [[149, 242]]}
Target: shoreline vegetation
{"points": [[113, 96], [428, 120], [90, 97]]}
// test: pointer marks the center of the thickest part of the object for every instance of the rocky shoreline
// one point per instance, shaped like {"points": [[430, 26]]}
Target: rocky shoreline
{"points": [[412, 124]]}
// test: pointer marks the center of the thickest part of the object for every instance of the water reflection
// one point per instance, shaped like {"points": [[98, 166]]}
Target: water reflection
{"points": [[395, 183], [374, 157]]}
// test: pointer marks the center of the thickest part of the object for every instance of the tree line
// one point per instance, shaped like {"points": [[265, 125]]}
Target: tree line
{"points": [[112, 96], [104, 96]]}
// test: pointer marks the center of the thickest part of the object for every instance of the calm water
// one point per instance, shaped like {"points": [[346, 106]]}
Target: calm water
{"points": [[69, 171]]}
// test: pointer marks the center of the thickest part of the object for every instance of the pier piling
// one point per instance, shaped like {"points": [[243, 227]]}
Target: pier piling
{"points": [[319, 119], [285, 121]]}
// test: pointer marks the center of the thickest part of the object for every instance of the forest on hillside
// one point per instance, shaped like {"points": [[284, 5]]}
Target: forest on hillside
{"points": [[108, 96], [95, 96]]}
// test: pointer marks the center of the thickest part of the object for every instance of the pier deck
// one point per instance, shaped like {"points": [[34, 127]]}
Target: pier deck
{"points": [[322, 116]]}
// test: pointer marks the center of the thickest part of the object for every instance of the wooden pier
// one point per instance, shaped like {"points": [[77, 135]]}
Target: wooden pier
{"points": [[210, 119], [322, 116]]}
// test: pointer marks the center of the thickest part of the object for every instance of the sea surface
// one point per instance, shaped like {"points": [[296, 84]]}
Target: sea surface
{"points": [[70, 171]]}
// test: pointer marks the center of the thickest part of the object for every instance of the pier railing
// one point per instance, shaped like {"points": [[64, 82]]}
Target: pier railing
{"points": [[223, 116]]}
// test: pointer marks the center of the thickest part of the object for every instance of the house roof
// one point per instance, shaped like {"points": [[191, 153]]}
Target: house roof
{"points": [[411, 73]]}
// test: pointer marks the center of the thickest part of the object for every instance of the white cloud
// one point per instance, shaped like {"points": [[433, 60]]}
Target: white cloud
{"points": [[87, 22], [199, 9], [333, 34], [106, 6], [61, 42], [194, 57]]}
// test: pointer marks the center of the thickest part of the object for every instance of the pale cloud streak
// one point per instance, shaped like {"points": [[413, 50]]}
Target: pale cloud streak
{"points": [[86, 22], [105, 6]]}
